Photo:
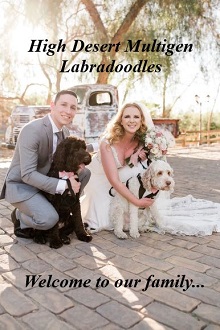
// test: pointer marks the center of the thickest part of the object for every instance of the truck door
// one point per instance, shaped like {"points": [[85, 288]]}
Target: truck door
{"points": [[100, 108]]}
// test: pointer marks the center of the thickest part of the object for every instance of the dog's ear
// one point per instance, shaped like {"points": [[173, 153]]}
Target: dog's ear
{"points": [[146, 178], [73, 158], [171, 171], [83, 144]]}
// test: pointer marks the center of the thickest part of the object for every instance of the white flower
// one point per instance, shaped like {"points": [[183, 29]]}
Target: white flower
{"points": [[148, 140]]}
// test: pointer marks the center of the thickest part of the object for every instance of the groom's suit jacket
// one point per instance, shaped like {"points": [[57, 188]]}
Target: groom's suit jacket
{"points": [[31, 162]]}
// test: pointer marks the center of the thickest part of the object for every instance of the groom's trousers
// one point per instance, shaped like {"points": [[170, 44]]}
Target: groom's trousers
{"points": [[38, 213]]}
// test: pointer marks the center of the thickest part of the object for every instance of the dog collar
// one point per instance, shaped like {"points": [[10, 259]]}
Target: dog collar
{"points": [[152, 195]]}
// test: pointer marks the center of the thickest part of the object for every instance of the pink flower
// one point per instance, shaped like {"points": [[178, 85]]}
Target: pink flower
{"points": [[65, 175]]}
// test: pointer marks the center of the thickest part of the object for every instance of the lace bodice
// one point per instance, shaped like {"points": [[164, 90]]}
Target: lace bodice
{"points": [[118, 164]]}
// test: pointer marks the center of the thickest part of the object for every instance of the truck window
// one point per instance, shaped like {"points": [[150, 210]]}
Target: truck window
{"points": [[100, 98]]}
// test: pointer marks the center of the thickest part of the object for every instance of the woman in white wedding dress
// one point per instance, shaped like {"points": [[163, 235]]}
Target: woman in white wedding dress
{"points": [[179, 216], [108, 167]]}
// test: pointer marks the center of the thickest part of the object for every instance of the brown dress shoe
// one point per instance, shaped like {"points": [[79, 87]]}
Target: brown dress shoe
{"points": [[23, 233]]}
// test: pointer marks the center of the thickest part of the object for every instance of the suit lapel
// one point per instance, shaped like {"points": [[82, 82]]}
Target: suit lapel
{"points": [[49, 132]]}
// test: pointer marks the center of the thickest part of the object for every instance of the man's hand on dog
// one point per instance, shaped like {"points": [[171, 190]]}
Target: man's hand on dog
{"points": [[75, 184]]}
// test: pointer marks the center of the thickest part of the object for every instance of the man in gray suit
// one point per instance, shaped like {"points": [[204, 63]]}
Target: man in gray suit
{"points": [[32, 159]]}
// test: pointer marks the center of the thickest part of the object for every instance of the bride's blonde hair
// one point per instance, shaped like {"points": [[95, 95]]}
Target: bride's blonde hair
{"points": [[115, 131]]}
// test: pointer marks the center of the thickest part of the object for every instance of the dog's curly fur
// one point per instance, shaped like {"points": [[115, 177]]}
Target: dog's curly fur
{"points": [[126, 216], [70, 153]]}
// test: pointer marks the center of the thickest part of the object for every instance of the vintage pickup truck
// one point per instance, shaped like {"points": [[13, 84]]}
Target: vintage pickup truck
{"points": [[97, 104]]}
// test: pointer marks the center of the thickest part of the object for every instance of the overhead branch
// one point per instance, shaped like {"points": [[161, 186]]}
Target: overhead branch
{"points": [[94, 14], [13, 98], [21, 98], [118, 36], [128, 20]]}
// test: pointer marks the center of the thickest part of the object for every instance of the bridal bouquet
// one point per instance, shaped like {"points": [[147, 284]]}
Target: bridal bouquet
{"points": [[155, 142]]}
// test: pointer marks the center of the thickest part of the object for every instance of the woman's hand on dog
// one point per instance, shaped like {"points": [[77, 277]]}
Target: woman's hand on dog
{"points": [[142, 154], [144, 202], [75, 184]]}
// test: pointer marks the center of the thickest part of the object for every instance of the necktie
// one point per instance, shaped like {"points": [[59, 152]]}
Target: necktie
{"points": [[60, 137]]}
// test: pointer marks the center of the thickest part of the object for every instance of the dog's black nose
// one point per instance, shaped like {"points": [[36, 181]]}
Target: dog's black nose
{"points": [[87, 160], [168, 183]]}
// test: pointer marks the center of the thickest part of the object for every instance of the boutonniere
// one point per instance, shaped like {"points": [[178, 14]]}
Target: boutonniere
{"points": [[65, 175]]}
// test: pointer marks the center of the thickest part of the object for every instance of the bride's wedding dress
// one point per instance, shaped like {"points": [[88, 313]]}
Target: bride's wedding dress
{"points": [[179, 215], [187, 216]]}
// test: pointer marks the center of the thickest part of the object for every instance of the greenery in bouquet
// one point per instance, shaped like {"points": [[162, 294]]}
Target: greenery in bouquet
{"points": [[155, 142]]}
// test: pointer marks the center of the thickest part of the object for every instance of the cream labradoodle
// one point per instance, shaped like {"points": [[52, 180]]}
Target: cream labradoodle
{"points": [[126, 216]]}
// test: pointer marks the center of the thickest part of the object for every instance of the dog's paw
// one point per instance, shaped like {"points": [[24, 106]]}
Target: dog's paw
{"points": [[56, 244], [134, 234], [120, 234], [144, 229], [40, 239], [84, 237], [65, 240]]}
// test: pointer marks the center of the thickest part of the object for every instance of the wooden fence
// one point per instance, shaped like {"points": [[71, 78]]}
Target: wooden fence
{"points": [[197, 138]]}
